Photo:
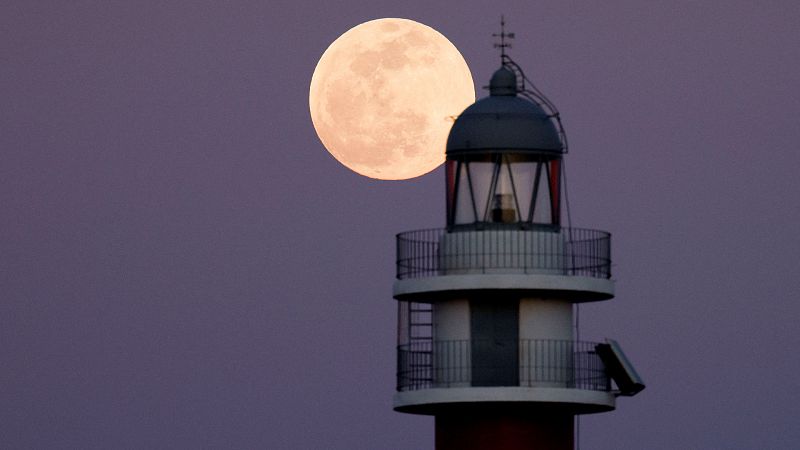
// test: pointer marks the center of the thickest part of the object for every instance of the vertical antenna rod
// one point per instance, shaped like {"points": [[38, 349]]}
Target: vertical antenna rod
{"points": [[503, 35]]}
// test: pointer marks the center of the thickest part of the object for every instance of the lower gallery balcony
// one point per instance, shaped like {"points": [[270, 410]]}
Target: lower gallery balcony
{"points": [[562, 373]]}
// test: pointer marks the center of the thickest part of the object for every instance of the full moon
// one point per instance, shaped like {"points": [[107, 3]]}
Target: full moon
{"points": [[383, 97]]}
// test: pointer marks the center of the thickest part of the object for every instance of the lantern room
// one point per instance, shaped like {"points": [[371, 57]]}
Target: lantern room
{"points": [[503, 166]]}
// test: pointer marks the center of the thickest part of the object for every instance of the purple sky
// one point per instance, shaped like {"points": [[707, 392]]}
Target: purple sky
{"points": [[183, 265]]}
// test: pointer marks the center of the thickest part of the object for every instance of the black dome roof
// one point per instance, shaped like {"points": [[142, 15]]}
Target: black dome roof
{"points": [[504, 122]]}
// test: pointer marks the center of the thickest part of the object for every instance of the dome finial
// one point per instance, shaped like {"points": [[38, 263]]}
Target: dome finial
{"points": [[503, 82]]}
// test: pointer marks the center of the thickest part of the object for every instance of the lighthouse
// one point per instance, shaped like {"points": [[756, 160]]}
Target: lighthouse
{"points": [[487, 337]]}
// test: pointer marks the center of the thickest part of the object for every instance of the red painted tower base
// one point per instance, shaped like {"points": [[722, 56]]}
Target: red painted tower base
{"points": [[495, 429]]}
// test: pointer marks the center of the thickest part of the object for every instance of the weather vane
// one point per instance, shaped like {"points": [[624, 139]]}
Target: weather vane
{"points": [[503, 36]]}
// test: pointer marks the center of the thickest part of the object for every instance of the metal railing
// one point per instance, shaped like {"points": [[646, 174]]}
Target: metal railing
{"points": [[532, 363], [568, 251]]}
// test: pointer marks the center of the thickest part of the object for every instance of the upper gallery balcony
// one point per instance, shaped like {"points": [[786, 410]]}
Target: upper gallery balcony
{"points": [[557, 259]]}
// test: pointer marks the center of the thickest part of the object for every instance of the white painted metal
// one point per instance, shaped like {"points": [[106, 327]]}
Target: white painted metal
{"points": [[580, 400], [574, 288], [488, 252]]}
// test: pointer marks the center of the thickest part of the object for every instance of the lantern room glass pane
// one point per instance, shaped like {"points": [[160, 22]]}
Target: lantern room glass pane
{"points": [[450, 182], [524, 174], [555, 191], [464, 212], [541, 212], [481, 175]]}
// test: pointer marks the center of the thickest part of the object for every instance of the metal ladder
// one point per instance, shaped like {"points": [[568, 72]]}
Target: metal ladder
{"points": [[420, 332]]}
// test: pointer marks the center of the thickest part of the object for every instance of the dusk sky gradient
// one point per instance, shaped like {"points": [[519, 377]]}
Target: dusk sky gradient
{"points": [[183, 265]]}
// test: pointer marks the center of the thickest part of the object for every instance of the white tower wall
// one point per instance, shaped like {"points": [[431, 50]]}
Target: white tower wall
{"points": [[545, 332], [545, 319], [450, 338], [451, 320]]}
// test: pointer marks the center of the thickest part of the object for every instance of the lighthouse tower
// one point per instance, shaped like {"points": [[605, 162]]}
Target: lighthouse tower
{"points": [[487, 337]]}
